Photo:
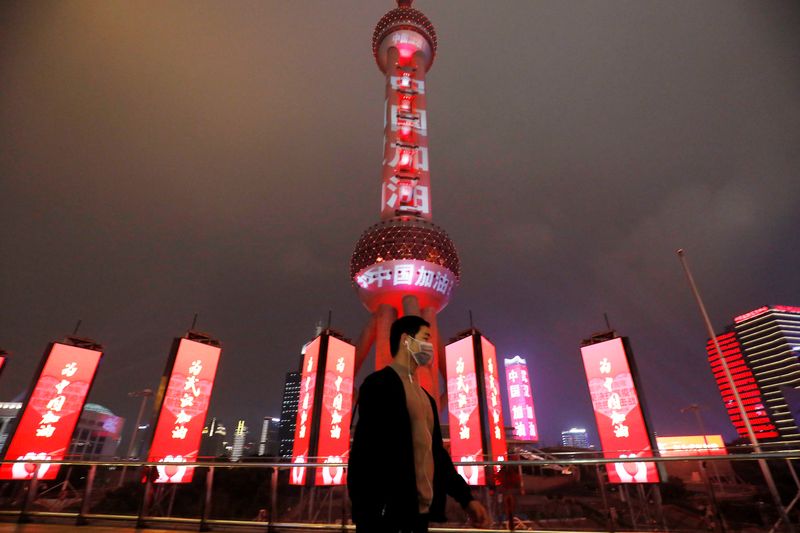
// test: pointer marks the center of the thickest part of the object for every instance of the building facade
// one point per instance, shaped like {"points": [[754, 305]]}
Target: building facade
{"points": [[761, 348], [96, 436], [269, 442], [288, 420], [575, 438]]}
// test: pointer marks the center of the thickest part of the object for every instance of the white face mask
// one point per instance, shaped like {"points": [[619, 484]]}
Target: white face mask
{"points": [[424, 355]]}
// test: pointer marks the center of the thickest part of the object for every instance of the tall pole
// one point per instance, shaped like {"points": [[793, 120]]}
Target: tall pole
{"points": [[144, 395], [742, 411]]}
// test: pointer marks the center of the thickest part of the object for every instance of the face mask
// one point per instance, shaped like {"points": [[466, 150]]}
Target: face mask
{"points": [[424, 355]]}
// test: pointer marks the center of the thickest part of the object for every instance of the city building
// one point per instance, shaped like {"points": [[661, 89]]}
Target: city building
{"points": [[97, 434], [761, 349], [291, 397], [9, 411], [214, 439], [270, 442], [239, 440], [575, 438]]}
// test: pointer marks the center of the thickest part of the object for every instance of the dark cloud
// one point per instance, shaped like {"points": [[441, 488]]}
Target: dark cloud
{"points": [[162, 159]]}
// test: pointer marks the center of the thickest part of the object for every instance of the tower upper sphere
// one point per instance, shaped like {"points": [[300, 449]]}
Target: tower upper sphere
{"points": [[406, 29]]}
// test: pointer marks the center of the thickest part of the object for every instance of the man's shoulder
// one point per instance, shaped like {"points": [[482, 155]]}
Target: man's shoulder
{"points": [[380, 377]]}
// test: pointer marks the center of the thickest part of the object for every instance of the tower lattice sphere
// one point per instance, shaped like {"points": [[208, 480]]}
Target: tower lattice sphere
{"points": [[405, 264]]}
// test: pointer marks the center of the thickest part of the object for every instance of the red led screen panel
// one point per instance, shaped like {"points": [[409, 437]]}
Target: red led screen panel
{"points": [[746, 385], [464, 415], [45, 428], [620, 422], [183, 411], [305, 412], [520, 399], [337, 405], [494, 404]]}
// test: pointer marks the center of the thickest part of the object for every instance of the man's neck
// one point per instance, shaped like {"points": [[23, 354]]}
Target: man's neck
{"points": [[404, 362]]}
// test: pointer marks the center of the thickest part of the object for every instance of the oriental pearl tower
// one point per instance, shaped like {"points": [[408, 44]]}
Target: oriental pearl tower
{"points": [[404, 264]]}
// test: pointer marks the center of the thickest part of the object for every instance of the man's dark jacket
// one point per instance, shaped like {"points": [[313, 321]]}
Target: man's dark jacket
{"points": [[381, 477]]}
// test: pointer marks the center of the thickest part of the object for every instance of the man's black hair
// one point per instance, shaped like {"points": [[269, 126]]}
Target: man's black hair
{"points": [[410, 325]]}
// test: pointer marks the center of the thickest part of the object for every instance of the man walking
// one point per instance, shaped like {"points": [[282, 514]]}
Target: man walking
{"points": [[399, 472]]}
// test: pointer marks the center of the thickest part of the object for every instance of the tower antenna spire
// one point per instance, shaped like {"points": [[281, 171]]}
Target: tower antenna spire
{"points": [[404, 3]]}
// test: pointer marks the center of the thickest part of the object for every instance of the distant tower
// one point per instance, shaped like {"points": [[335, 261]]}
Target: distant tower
{"points": [[291, 396], [404, 265]]}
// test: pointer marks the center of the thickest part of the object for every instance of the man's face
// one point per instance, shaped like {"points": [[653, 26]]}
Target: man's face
{"points": [[424, 334]]}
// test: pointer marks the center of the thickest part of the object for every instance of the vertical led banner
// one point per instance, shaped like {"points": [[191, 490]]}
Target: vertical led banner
{"points": [[618, 412], [52, 410], [183, 408], [302, 432], [494, 406], [520, 399], [337, 406], [464, 412]]}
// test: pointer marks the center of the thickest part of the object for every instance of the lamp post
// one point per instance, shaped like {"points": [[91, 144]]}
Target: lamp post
{"points": [[765, 471], [144, 394]]}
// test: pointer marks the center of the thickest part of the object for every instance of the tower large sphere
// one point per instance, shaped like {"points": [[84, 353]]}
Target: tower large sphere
{"points": [[406, 29], [405, 256]]}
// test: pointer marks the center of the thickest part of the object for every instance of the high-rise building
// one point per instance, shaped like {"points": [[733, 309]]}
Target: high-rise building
{"points": [[239, 438], [214, 439], [575, 438], [404, 265], [761, 348], [291, 396], [269, 443]]}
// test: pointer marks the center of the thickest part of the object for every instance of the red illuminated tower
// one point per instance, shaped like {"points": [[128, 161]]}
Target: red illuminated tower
{"points": [[404, 265]]}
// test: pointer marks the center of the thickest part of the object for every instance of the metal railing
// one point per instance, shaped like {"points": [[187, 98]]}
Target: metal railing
{"points": [[558, 493]]}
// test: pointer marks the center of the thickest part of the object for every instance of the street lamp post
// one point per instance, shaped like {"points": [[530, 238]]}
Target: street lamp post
{"points": [[144, 395], [765, 471]]}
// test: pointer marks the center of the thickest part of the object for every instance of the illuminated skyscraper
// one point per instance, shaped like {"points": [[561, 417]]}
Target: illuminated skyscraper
{"points": [[575, 438], [404, 265], [291, 396], [269, 443], [761, 349], [239, 437]]}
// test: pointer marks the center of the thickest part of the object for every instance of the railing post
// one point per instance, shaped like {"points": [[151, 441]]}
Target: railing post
{"points": [[86, 503], [273, 497], [205, 510], [148, 491], [24, 517]]}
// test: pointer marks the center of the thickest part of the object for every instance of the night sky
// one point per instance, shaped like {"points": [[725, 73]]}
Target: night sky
{"points": [[159, 159]]}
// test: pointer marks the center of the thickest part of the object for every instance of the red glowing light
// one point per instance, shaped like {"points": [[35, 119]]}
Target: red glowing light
{"points": [[176, 440], [305, 412], [494, 406], [45, 428], [745, 384], [337, 399], [462, 404], [752, 314], [520, 399], [620, 422]]}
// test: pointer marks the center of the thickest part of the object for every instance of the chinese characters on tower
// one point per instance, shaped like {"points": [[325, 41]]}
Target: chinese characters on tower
{"points": [[520, 399], [183, 410], [497, 434], [462, 404], [305, 408], [337, 399], [55, 405], [620, 420], [406, 174], [322, 432]]}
